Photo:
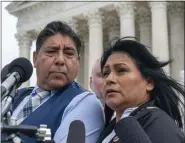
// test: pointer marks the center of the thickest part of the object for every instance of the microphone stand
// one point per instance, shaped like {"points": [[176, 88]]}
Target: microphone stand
{"points": [[6, 114], [42, 134], [6, 105]]}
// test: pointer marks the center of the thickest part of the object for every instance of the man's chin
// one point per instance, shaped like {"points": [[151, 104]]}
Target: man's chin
{"points": [[55, 85]]}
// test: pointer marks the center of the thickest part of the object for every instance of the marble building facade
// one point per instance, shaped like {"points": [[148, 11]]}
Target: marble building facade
{"points": [[158, 25]]}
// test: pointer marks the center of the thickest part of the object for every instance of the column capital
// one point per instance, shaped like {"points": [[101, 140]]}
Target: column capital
{"points": [[123, 8], [157, 5], [25, 38], [176, 8], [73, 23], [37, 30], [94, 17]]}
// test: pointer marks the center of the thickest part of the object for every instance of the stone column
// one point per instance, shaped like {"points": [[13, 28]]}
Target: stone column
{"points": [[25, 43], [95, 47], [73, 23], [86, 60], [176, 15], [160, 46], [125, 12], [145, 26]]}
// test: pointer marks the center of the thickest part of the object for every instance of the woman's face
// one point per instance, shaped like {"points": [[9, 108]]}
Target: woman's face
{"points": [[123, 85]]}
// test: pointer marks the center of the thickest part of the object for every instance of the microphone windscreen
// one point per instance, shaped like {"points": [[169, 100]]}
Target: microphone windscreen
{"points": [[4, 73], [76, 132], [23, 66]]}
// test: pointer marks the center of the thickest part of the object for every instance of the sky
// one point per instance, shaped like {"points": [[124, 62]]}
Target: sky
{"points": [[10, 48]]}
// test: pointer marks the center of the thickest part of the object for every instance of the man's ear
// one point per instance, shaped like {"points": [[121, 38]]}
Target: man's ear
{"points": [[34, 58], [90, 82], [79, 58]]}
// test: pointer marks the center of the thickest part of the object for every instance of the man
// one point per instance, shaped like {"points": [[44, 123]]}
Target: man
{"points": [[56, 60], [96, 80]]}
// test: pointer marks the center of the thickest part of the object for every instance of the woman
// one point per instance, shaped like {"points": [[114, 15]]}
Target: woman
{"points": [[145, 99]]}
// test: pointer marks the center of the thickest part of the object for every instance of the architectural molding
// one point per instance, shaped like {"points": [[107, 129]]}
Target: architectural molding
{"points": [[158, 5], [24, 39]]}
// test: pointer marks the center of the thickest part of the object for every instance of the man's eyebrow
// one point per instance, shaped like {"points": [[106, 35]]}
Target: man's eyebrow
{"points": [[69, 48], [53, 47]]}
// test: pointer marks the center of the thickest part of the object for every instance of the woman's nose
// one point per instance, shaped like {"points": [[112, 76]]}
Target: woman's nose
{"points": [[111, 78]]}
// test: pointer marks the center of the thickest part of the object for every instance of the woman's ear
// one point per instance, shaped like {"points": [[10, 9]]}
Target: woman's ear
{"points": [[150, 84]]}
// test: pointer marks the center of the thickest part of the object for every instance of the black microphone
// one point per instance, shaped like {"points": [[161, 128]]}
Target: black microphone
{"points": [[76, 132], [4, 73], [21, 70]]}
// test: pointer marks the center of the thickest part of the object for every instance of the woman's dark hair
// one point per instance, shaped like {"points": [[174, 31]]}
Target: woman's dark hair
{"points": [[57, 27], [166, 92]]}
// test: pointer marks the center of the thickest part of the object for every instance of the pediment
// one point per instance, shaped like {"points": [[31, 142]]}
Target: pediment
{"points": [[17, 6]]}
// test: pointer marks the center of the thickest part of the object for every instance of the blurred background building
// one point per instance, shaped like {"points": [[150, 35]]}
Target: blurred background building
{"points": [[158, 25]]}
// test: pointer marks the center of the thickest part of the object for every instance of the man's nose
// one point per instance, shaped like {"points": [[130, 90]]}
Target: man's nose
{"points": [[60, 59]]}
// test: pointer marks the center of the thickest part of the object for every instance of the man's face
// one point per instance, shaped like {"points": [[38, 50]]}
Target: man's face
{"points": [[96, 80], [56, 63]]}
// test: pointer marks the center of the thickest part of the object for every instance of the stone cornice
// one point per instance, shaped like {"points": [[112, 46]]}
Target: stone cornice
{"points": [[16, 7], [158, 5]]}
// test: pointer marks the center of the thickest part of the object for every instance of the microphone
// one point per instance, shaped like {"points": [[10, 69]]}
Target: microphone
{"points": [[76, 132], [20, 71], [4, 73]]}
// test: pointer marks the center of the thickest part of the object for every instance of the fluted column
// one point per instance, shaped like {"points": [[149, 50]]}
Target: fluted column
{"points": [[95, 39], [25, 43], [125, 12], [86, 60], [73, 23], [176, 15], [160, 46], [145, 26]]}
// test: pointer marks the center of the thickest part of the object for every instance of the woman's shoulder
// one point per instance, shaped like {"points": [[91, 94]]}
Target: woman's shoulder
{"points": [[159, 126]]}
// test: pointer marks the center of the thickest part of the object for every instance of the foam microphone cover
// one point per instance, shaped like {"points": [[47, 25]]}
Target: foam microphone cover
{"points": [[76, 132], [4, 73], [23, 66]]}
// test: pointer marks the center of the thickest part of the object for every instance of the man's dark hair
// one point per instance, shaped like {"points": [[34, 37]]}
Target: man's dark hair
{"points": [[167, 91], [54, 28]]}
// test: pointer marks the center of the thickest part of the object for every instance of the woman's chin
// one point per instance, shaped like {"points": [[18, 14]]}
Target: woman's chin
{"points": [[112, 103]]}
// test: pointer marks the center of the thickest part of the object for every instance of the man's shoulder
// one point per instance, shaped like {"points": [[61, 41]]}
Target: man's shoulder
{"points": [[86, 96], [87, 99], [25, 88]]}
